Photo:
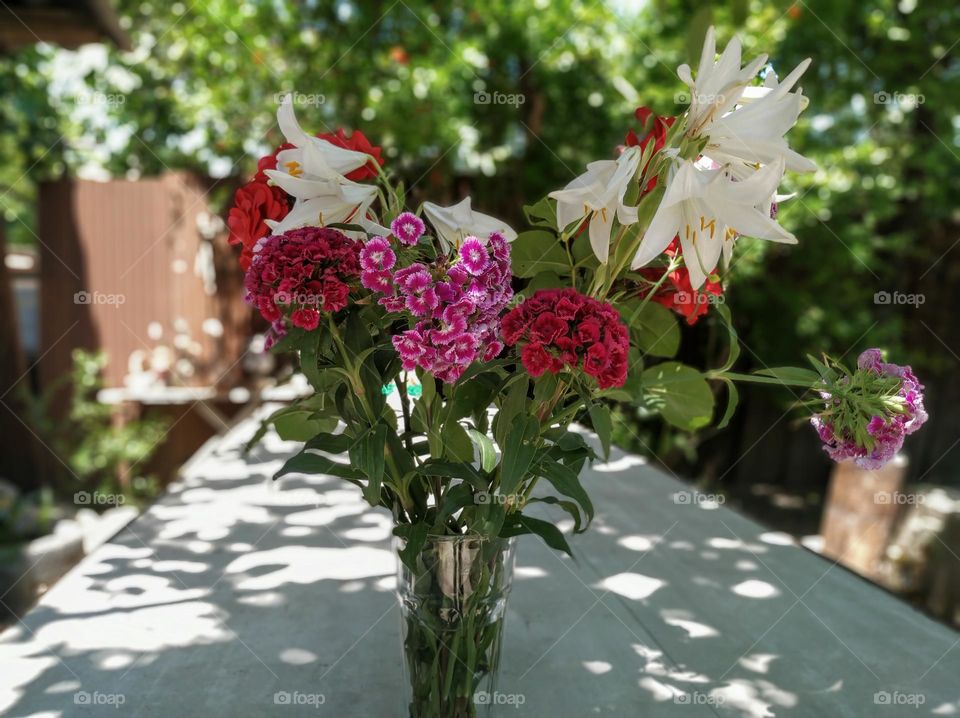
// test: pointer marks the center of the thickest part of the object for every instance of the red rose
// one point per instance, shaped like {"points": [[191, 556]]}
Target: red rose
{"points": [[252, 204], [358, 143]]}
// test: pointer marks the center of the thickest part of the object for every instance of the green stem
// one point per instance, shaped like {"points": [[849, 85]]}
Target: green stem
{"points": [[756, 379]]}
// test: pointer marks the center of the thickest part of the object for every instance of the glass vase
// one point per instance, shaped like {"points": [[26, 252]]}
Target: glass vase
{"points": [[452, 608]]}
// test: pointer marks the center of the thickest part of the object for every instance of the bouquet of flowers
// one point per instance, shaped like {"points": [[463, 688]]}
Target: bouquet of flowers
{"points": [[509, 338]]}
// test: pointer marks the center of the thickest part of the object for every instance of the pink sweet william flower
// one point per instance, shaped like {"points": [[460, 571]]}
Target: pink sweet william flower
{"points": [[474, 255], [408, 228], [376, 280], [377, 255], [850, 427], [456, 303]]}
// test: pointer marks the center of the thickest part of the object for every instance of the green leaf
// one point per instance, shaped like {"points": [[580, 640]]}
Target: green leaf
{"points": [[733, 398], [456, 497], [542, 213], [368, 456], [297, 425], [471, 397], [518, 452], [331, 443], [271, 420], [545, 386], [309, 357], [456, 443], [654, 327], [569, 506], [566, 481], [513, 402], [488, 455], [447, 469], [414, 536], [680, 394], [545, 280], [603, 425], [518, 525], [310, 463], [724, 311], [538, 251]]}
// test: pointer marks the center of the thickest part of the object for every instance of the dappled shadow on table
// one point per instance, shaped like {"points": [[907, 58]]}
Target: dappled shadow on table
{"points": [[231, 596]]}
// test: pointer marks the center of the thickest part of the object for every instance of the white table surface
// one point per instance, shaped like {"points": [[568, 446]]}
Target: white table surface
{"points": [[229, 591]]}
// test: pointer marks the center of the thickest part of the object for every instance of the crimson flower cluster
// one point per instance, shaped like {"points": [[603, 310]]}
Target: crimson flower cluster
{"points": [[561, 328], [455, 303], [299, 274]]}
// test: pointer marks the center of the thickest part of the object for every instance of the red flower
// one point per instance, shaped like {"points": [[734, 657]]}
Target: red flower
{"points": [[677, 293], [335, 295], [657, 134], [547, 327], [252, 204], [359, 143], [536, 359], [307, 319], [301, 273], [561, 328]]}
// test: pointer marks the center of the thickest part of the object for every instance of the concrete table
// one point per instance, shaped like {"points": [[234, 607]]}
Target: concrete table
{"points": [[233, 597]]}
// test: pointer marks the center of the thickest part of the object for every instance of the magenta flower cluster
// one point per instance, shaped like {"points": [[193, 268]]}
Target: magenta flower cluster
{"points": [[454, 304], [887, 431]]}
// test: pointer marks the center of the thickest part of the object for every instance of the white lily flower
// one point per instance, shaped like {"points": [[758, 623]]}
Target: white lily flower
{"points": [[312, 173], [455, 223], [719, 84], [744, 125], [753, 133], [708, 210], [326, 158], [600, 191]]}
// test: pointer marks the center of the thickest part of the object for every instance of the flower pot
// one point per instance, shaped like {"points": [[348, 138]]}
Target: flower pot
{"points": [[453, 605]]}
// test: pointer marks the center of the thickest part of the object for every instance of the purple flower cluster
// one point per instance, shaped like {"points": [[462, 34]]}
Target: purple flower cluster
{"points": [[456, 304], [886, 431]]}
